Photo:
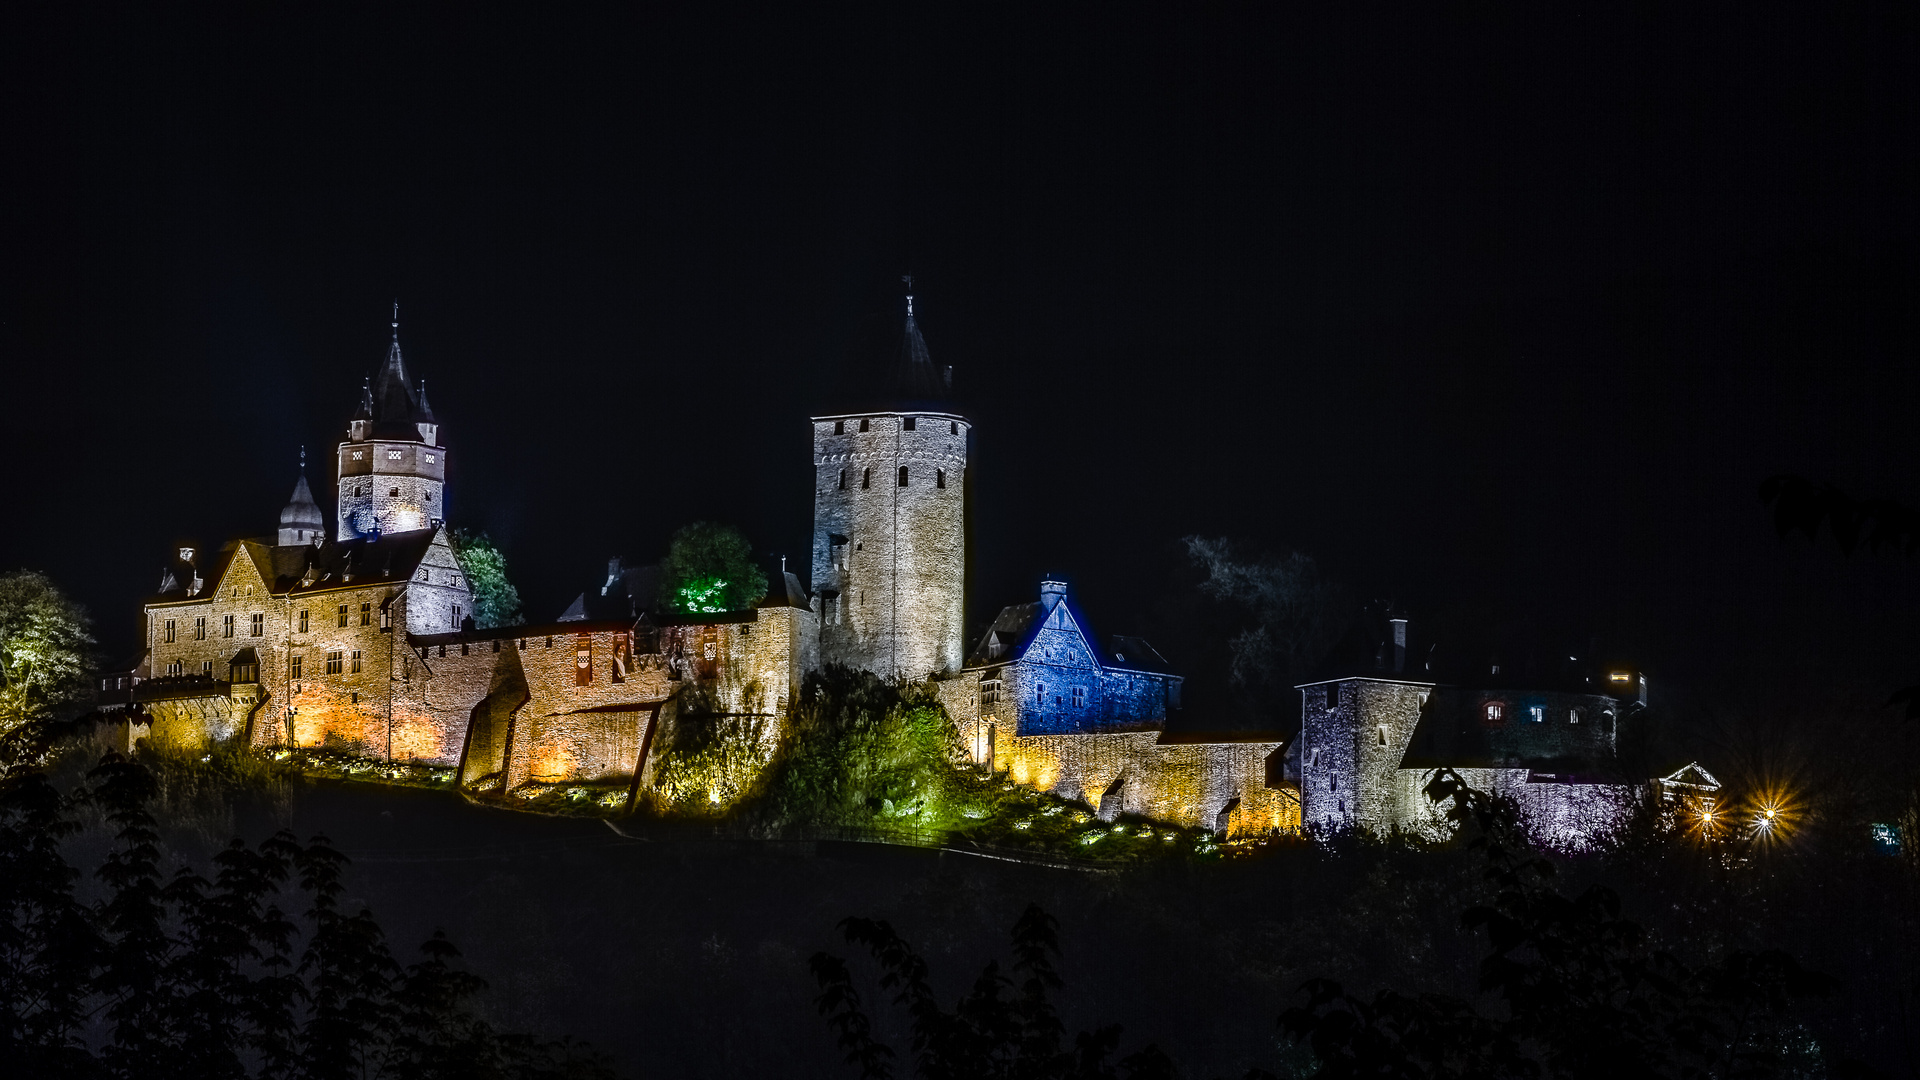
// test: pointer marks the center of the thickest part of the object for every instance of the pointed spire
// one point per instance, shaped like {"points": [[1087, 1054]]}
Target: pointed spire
{"points": [[301, 521], [919, 379], [365, 412], [394, 399]]}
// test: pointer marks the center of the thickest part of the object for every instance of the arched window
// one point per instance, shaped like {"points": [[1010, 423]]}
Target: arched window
{"points": [[903, 476]]}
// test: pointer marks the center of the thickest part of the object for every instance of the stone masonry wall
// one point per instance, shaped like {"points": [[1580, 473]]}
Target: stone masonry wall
{"points": [[1350, 753], [899, 579], [370, 474], [1189, 784]]}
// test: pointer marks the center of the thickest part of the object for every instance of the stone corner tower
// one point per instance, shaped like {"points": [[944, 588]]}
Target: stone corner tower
{"points": [[889, 525], [392, 470]]}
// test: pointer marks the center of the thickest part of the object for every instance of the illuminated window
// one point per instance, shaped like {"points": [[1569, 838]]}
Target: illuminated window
{"points": [[303, 620], [343, 614], [866, 478], [174, 669], [200, 628], [334, 660], [206, 668], [903, 476], [907, 424], [429, 459], [839, 427], [259, 625], [940, 478], [1493, 713], [1620, 677], [366, 613], [294, 666], [1079, 697], [226, 624], [990, 692], [243, 673], [456, 616], [1573, 716], [169, 631], [863, 424], [353, 662], [1537, 713]]}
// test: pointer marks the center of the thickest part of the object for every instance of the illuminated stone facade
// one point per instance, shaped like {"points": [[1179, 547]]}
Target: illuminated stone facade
{"points": [[889, 540], [392, 471], [1370, 744]]}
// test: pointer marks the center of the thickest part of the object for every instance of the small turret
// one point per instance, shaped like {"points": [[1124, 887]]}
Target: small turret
{"points": [[301, 521]]}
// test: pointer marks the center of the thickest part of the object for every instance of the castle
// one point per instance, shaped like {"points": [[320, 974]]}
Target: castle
{"points": [[364, 640]]}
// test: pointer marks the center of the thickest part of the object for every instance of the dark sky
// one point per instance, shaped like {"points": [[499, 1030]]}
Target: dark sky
{"points": [[1500, 314]]}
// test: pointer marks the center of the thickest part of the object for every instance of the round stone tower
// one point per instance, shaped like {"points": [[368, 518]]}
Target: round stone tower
{"points": [[890, 530], [392, 470]]}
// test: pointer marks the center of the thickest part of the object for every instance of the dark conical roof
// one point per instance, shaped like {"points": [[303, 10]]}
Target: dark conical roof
{"points": [[919, 379], [393, 400]]}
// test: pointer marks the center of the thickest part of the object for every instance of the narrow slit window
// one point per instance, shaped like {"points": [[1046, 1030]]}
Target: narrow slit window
{"points": [[353, 662], [259, 625], [953, 427], [294, 666], [200, 628], [863, 424], [866, 478], [366, 613], [839, 427], [843, 479], [226, 626], [343, 614], [940, 478], [903, 476], [303, 620]]}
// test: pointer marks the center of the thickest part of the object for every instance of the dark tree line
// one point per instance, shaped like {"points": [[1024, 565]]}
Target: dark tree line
{"points": [[184, 975], [1570, 989]]}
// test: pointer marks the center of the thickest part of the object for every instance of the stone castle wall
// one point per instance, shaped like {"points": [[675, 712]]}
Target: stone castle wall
{"points": [[1207, 785], [899, 579], [1350, 752], [394, 486]]}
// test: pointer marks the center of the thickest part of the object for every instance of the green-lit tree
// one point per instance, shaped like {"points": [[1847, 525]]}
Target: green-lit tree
{"points": [[45, 649], [495, 601], [710, 568]]}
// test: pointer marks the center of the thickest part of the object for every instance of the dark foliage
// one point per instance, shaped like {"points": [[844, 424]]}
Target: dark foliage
{"points": [[1803, 506], [1003, 1027], [192, 977], [1581, 991]]}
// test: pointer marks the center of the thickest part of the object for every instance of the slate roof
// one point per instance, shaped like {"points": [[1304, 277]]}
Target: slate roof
{"points": [[394, 402], [1016, 626], [301, 510]]}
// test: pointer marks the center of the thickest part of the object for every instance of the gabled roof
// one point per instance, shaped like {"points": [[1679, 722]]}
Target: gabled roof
{"points": [[389, 557], [1017, 625]]}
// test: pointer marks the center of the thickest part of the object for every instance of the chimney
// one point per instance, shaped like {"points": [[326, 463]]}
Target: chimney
{"points": [[1051, 593], [1399, 644]]}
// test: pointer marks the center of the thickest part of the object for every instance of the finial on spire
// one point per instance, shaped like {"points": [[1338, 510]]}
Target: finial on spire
{"points": [[396, 320], [908, 278], [303, 461]]}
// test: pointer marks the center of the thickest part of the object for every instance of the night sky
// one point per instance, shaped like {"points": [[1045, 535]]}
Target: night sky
{"points": [[1495, 314]]}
